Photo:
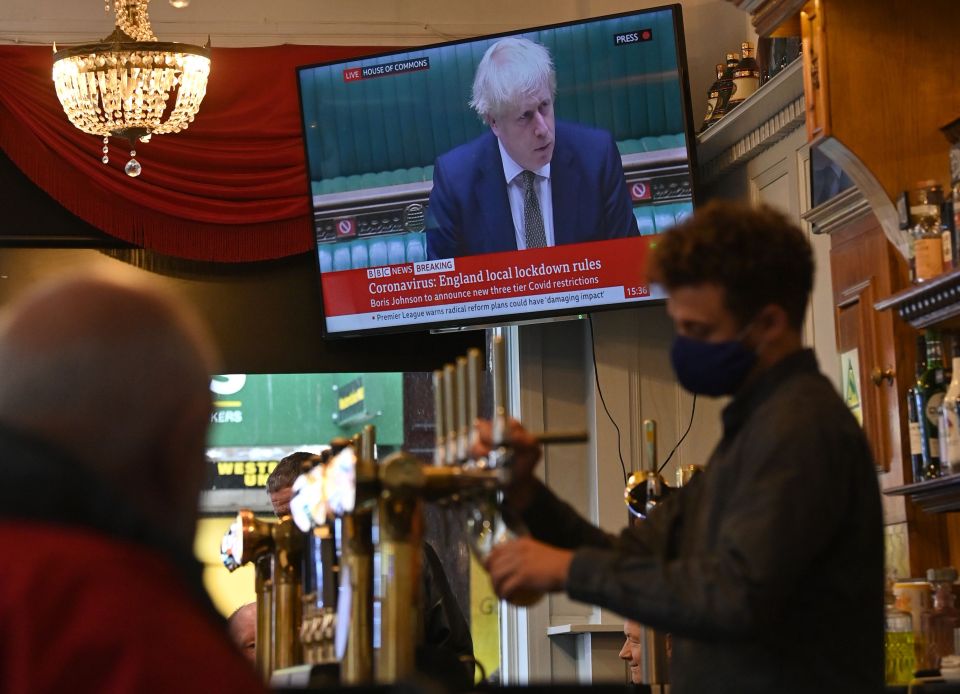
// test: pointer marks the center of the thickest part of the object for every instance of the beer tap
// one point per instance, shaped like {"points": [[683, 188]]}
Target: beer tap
{"points": [[401, 534], [319, 580], [646, 489], [272, 550], [474, 371], [463, 416], [356, 580], [450, 412], [439, 428], [288, 598]]}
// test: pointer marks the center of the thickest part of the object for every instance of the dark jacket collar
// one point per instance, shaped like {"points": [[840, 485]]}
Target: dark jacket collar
{"points": [[756, 392], [43, 484]]}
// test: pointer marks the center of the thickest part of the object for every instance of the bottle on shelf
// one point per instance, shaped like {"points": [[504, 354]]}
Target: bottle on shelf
{"points": [[930, 389], [727, 86], [925, 230], [746, 76], [948, 234], [950, 419], [938, 621], [903, 214], [917, 457], [900, 660], [955, 209], [917, 465], [715, 108]]}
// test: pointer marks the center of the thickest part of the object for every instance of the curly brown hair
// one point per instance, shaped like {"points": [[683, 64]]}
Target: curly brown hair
{"points": [[756, 254]]}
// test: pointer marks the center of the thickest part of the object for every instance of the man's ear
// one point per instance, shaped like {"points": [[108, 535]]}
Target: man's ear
{"points": [[492, 122], [772, 322], [773, 334]]}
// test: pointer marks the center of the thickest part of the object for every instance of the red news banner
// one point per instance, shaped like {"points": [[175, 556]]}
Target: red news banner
{"points": [[487, 286]]}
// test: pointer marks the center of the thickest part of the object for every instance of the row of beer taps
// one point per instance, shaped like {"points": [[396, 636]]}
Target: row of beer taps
{"points": [[314, 569]]}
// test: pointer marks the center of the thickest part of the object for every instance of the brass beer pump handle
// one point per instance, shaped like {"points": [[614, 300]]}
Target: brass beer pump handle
{"points": [[650, 443], [474, 370], [403, 479], [357, 557], [561, 436], [440, 441], [501, 411], [287, 602], [463, 421], [368, 443], [450, 412]]}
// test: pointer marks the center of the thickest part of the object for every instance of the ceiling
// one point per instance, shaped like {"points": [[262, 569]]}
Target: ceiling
{"points": [[253, 22], [712, 27]]}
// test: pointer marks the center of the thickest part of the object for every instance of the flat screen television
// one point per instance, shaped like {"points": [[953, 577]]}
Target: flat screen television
{"points": [[413, 218]]}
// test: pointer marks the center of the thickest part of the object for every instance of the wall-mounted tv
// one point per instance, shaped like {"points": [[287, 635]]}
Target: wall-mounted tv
{"points": [[429, 215]]}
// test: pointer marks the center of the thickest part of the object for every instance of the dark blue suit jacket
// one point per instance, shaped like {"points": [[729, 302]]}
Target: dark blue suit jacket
{"points": [[469, 211]]}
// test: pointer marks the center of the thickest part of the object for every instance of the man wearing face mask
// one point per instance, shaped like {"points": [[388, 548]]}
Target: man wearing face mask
{"points": [[768, 568]]}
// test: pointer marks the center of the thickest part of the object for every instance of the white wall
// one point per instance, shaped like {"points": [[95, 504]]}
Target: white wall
{"points": [[558, 391], [780, 177]]}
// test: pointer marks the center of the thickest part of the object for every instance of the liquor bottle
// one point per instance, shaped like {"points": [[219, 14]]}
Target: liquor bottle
{"points": [[727, 87], [925, 230], [913, 428], [903, 214], [900, 661], [931, 387], [955, 199], [919, 447], [746, 76], [948, 234], [938, 622], [714, 106], [950, 420]]}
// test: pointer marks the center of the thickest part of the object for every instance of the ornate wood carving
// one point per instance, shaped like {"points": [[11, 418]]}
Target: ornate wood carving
{"points": [[769, 15]]}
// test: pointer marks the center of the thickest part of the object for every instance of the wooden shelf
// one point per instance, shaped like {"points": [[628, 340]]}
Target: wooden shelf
{"points": [[765, 117], [770, 14], [574, 629], [934, 302], [934, 496]]}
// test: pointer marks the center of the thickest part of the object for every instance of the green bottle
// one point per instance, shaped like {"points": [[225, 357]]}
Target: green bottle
{"points": [[931, 387]]}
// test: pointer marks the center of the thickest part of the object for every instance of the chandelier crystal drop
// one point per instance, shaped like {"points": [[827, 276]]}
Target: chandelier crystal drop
{"points": [[131, 85]]}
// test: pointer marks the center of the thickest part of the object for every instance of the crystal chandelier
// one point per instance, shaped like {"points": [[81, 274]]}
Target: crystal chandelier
{"points": [[130, 85]]}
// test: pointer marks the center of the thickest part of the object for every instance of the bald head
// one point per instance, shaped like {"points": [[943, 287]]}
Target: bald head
{"points": [[242, 626], [115, 371]]}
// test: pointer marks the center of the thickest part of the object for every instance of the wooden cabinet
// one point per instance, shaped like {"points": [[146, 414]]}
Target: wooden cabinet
{"points": [[933, 303], [879, 83], [934, 523], [864, 268]]}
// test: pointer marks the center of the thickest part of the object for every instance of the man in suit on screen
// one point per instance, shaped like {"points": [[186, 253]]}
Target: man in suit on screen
{"points": [[529, 181]]}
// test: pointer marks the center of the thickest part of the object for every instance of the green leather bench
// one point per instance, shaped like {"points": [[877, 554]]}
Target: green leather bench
{"points": [[389, 130]]}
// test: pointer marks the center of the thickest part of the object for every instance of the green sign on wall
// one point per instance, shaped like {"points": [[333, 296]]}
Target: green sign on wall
{"points": [[259, 418], [272, 409]]}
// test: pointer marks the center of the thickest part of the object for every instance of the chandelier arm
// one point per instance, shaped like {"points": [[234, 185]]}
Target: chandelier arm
{"points": [[104, 47]]}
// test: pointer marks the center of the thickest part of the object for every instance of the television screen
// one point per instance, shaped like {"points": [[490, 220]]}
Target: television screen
{"points": [[497, 179]]}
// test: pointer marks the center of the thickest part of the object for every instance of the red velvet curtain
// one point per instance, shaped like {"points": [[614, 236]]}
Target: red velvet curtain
{"points": [[231, 188]]}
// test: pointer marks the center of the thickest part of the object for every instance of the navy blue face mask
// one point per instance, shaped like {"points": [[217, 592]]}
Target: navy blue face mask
{"points": [[711, 368]]}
